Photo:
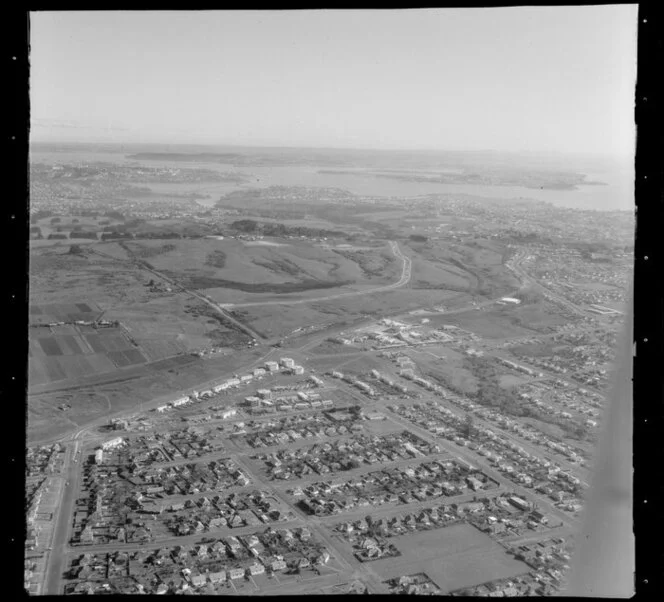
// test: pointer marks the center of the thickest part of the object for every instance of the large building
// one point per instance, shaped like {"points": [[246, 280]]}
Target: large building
{"points": [[112, 443], [287, 362]]}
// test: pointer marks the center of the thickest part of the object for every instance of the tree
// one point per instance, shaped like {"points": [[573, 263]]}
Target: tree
{"points": [[418, 238], [468, 428], [75, 250]]}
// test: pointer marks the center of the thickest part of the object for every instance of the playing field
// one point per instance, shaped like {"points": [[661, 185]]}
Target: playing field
{"points": [[455, 557]]}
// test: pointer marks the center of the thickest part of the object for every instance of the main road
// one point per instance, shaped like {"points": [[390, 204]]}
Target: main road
{"points": [[64, 516]]}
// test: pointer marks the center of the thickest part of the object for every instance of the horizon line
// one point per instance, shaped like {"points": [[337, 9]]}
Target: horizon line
{"points": [[272, 146]]}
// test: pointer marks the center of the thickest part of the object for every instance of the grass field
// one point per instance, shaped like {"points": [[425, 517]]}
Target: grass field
{"points": [[259, 264], [162, 323], [491, 324], [66, 352], [455, 557], [343, 310], [63, 312], [511, 380], [449, 369]]}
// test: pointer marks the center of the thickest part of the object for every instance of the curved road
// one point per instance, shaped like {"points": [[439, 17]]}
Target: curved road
{"points": [[63, 525]]}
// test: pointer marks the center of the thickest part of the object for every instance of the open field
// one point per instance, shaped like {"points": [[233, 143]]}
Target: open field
{"points": [[498, 322], [168, 322], [477, 267], [233, 271], [63, 312], [450, 369], [344, 310], [511, 380], [333, 363], [56, 356], [453, 558]]}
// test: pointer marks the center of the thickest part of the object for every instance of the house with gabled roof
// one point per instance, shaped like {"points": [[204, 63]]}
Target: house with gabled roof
{"points": [[236, 573]]}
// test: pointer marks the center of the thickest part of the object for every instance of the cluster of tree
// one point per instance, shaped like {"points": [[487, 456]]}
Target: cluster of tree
{"points": [[41, 214], [418, 238], [111, 235], [521, 237], [116, 228], [56, 220], [115, 215], [250, 226], [88, 235], [55, 236], [275, 213], [529, 295], [159, 234], [216, 259], [468, 430]]}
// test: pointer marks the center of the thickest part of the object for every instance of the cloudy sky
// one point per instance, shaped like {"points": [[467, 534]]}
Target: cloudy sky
{"points": [[551, 79]]}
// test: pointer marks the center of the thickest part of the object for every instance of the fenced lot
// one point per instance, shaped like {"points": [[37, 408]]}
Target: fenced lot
{"points": [[454, 557]]}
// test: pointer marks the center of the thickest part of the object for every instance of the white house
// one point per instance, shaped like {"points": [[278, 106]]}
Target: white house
{"points": [[112, 443]]}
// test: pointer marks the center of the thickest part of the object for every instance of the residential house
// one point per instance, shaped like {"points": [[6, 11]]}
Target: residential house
{"points": [[256, 569], [217, 577]]}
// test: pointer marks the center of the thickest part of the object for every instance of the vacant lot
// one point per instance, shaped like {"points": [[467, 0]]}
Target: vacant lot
{"points": [[449, 370], [454, 557]]}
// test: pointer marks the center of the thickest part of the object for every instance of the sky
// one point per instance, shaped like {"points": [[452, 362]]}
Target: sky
{"points": [[545, 79]]}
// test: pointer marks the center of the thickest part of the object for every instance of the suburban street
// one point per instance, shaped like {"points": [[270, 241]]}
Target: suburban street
{"points": [[57, 557]]}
